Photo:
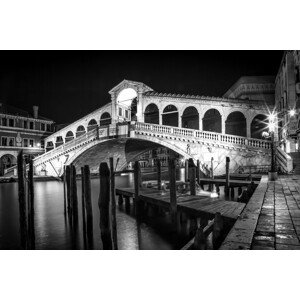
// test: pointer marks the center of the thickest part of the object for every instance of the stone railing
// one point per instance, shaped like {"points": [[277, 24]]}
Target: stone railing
{"points": [[97, 133], [204, 135], [284, 161]]}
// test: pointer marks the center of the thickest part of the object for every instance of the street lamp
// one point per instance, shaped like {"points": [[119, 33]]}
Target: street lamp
{"points": [[272, 127]]}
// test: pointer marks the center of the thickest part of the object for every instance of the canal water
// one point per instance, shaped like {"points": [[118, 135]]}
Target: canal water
{"points": [[52, 230]]}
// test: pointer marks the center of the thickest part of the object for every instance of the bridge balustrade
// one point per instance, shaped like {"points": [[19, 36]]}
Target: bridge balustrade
{"points": [[96, 133], [206, 135]]}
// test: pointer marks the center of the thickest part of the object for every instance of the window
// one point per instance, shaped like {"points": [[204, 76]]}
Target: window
{"points": [[120, 111], [30, 125], [25, 142], [25, 124], [11, 122], [4, 141], [126, 114], [4, 122], [48, 127], [11, 142], [31, 143], [42, 143], [42, 126]]}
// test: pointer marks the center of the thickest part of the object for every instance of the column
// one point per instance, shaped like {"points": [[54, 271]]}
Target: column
{"points": [[179, 121], [223, 124], [160, 118], [248, 128]]}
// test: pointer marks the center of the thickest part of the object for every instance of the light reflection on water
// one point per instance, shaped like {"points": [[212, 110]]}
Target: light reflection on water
{"points": [[52, 230]]}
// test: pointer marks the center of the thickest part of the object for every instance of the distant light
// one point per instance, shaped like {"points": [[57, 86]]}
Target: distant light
{"points": [[292, 112], [271, 127], [214, 195], [265, 134], [38, 144], [272, 117]]}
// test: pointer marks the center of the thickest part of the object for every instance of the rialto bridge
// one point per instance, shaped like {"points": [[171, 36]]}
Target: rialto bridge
{"points": [[139, 119]]}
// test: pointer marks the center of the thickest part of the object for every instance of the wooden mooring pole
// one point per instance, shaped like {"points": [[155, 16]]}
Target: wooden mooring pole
{"points": [[22, 202], [104, 199], [198, 171], [158, 165], [226, 189], [88, 206], [113, 205], [83, 208], [172, 186], [217, 230], [186, 170], [31, 231], [74, 196], [193, 177], [137, 180], [65, 191], [68, 185]]}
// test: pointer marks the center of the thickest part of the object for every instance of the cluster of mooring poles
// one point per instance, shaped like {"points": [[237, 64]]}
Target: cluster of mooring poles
{"points": [[106, 203], [26, 202]]}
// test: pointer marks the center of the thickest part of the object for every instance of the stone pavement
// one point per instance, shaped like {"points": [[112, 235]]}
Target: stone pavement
{"points": [[271, 219]]}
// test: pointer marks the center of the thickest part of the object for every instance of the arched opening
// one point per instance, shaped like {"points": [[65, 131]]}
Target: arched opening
{"points": [[80, 131], [170, 116], [69, 136], [92, 125], [151, 114], [105, 119], [49, 146], [127, 102], [190, 118], [6, 162], [212, 121], [59, 141], [258, 125], [236, 124]]}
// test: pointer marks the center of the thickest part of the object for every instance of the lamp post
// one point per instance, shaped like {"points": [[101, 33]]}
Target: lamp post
{"points": [[272, 174]]}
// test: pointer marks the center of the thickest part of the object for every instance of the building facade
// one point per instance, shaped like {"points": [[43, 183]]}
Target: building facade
{"points": [[20, 129], [287, 94]]}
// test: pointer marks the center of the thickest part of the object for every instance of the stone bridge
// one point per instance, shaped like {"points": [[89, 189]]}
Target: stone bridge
{"points": [[139, 119]]}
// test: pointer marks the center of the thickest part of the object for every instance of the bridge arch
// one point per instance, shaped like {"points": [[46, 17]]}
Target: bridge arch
{"points": [[212, 121], [151, 114], [190, 118], [69, 136], [124, 151], [259, 124], [92, 125], [80, 130], [236, 124], [59, 141], [170, 115], [49, 146], [105, 119]]}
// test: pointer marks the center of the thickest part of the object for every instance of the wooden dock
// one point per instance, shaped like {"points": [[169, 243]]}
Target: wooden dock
{"points": [[195, 206], [232, 183]]}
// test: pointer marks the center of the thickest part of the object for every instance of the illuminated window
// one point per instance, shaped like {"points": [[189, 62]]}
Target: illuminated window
{"points": [[31, 143]]}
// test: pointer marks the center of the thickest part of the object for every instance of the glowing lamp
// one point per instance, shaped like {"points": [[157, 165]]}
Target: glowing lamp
{"points": [[292, 112]]}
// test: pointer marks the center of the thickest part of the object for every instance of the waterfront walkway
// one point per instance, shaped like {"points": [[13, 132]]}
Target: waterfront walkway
{"points": [[271, 219]]}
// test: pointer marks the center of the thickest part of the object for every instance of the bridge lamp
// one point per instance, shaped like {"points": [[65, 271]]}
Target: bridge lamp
{"points": [[292, 112]]}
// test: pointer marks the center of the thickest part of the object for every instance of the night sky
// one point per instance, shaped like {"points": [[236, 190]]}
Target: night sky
{"points": [[66, 85]]}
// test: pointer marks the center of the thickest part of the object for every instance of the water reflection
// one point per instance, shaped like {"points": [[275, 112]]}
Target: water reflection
{"points": [[52, 230]]}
